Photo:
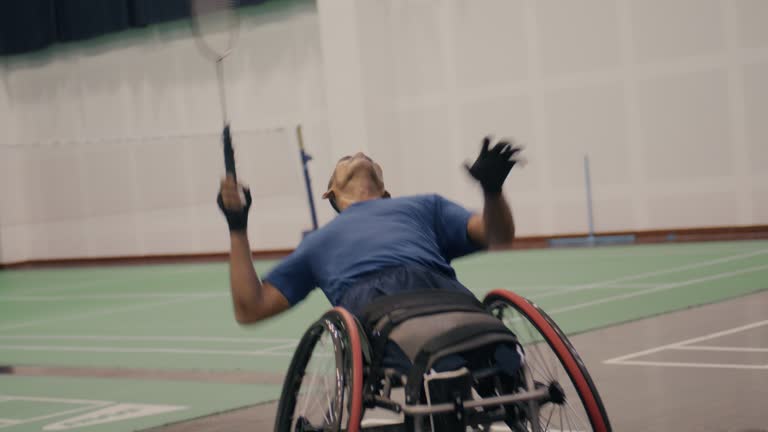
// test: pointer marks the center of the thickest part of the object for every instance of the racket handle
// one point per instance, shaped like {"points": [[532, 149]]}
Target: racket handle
{"points": [[229, 152]]}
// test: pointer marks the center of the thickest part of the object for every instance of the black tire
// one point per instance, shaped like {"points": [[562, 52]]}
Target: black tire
{"points": [[332, 342]]}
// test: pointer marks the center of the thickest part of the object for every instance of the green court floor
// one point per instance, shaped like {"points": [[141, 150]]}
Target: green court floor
{"points": [[179, 317]]}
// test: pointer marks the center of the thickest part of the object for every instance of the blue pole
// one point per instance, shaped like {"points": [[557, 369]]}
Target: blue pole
{"points": [[305, 158], [590, 216]]}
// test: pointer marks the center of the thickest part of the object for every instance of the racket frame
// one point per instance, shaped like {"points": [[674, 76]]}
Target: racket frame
{"points": [[218, 58]]}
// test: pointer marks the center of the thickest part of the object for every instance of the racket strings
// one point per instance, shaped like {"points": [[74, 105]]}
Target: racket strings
{"points": [[216, 26]]}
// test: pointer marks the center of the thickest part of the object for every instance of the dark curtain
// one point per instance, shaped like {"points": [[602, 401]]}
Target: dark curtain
{"points": [[26, 25], [30, 25], [83, 19], [146, 12]]}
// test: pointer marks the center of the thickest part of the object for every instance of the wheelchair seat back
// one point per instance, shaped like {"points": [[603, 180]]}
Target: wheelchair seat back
{"points": [[428, 325]]}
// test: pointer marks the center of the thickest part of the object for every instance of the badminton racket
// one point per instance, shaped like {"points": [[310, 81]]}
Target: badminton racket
{"points": [[216, 27]]}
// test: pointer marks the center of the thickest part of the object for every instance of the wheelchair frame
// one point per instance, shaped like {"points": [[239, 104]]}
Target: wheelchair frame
{"points": [[368, 388]]}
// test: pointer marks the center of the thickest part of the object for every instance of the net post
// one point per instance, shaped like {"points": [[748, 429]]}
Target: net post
{"points": [[590, 214], [305, 158]]}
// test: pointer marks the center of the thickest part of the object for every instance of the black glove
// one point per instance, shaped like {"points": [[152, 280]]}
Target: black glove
{"points": [[236, 219], [492, 166]]}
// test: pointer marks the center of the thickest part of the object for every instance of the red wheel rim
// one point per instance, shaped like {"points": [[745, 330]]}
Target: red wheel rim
{"points": [[356, 387], [563, 353]]}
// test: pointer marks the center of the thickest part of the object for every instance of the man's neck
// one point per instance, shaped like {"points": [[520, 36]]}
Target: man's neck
{"points": [[360, 193]]}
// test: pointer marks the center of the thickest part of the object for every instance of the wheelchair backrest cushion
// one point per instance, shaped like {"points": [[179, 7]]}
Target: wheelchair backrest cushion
{"points": [[414, 319], [413, 334]]}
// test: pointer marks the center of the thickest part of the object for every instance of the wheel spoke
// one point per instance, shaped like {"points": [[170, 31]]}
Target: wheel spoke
{"points": [[314, 407], [578, 416], [309, 395], [549, 418], [328, 415], [568, 419], [325, 362], [545, 364]]}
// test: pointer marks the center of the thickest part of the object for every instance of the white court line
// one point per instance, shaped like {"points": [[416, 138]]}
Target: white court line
{"points": [[89, 404], [535, 291], [718, 348], [56, 348], [34, 298], [623, 359], [281, 347], [657, 289], [631, 252], [94, 402], [95, 314], [693, 365], [150, 338], [58, 414], [633, 285], [550, 291], [622, 279]]}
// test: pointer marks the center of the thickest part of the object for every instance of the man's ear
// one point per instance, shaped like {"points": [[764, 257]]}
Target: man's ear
{"points": [[331, 197], [386, 194]]}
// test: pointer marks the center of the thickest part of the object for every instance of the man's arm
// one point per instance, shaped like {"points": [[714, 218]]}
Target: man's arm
{"points": [[253, 300], [495, 228]]}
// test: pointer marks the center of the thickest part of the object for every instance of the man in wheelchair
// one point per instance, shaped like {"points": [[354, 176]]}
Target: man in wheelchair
{"points": [[387, 262], [379, 247]]}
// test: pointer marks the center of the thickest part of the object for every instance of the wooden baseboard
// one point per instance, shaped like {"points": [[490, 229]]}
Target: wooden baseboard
{"points": [[672, 235], [139, 259]]}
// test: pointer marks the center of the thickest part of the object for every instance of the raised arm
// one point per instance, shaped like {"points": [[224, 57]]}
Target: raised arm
{"points": [[253, 300], [496, 227]]}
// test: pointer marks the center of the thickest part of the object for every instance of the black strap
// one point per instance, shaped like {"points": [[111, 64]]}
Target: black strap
{"points": [[480, 334], [399, 304]]}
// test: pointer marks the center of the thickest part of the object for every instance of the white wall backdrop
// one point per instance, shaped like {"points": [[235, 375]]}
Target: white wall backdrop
{"points": [[118, 149], [7, 125], [668, 98], [110, 147]]}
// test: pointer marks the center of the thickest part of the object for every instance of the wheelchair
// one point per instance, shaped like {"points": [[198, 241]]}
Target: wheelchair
{"points": [[340, 378]]}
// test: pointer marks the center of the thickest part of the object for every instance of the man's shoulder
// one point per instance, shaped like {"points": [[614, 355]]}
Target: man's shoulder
{"points": [[420, 198], [318, 238], [412, 202]]}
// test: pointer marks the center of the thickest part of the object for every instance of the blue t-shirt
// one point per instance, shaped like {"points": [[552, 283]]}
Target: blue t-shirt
{"points": [[427, 231]]}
